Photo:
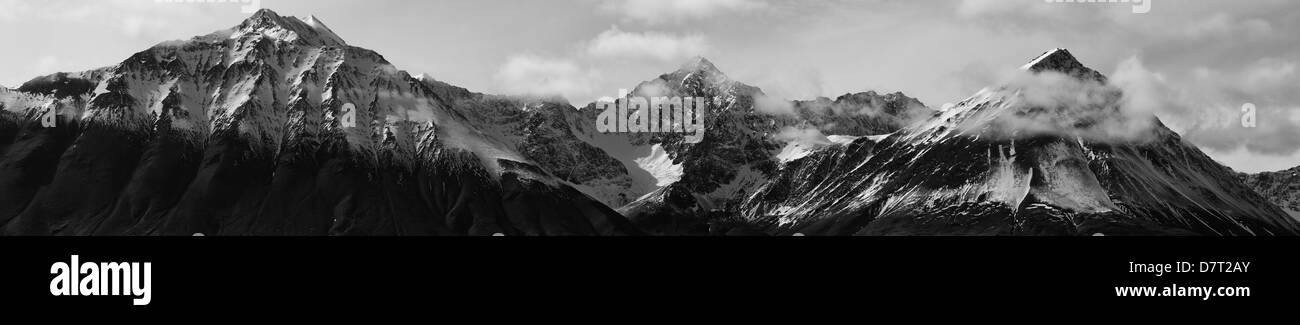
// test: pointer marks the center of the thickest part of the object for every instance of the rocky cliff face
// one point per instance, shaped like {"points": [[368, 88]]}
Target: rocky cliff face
{"points": [[273, 127], [548, 131], [1280, 188], [743, 143]]}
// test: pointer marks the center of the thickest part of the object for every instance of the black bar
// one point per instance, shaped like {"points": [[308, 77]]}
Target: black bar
{"points": [[201, 274]]}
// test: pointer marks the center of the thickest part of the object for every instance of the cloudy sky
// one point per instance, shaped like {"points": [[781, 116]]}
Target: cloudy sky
{"points": [[1195, 62]]}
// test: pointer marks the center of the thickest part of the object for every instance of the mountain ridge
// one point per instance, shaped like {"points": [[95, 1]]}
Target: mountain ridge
{"points": [[743, 143], [961, 172], [272, 127]]}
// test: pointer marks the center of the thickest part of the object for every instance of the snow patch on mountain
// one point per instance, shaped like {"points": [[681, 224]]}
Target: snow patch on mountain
{"points": [[1065, 182], [19, 102], [660, 164], [795, 151], [799, 143], [323, 31], [847, 139]]}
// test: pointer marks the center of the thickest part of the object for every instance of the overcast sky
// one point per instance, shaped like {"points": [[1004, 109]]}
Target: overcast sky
{"points": [[1196, 61]]}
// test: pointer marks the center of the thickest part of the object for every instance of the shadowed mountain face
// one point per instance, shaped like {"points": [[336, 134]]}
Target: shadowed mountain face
{"points": [[273, 127], [1007, 162], [547, 131], [58, 85], [1281, 188]]}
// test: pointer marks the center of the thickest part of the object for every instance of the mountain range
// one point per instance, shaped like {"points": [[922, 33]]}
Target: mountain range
{"points": [[278, 127], [1020, 159]]}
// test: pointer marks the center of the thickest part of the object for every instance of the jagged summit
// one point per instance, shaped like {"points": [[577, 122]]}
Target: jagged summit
{"points": [[320, 27], [699, 72], [265, 18], [696, 77], [310, 31], [314, 22], [1061, 60], [699, 63], [1054, 56], [1017, 109], [702, 66]]}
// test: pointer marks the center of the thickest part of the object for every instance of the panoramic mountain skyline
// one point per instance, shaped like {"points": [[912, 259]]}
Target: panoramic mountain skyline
{"points": [[936, 51], [278, 125]]}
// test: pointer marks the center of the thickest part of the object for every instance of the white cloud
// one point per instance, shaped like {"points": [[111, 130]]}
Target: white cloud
{"points": [[534, 75], [807, 136], [664, 11], [615, 43], [774, 106], [1058, 104], [1208, 110]]}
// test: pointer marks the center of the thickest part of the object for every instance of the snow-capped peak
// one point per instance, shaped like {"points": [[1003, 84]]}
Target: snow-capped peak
{"points": [[314, 22], [263, 18], [423, 77], [698, 73], [1060, 60], [322, 30], [309, 31], [699, 63], [1055, 55], [703, 67]]}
